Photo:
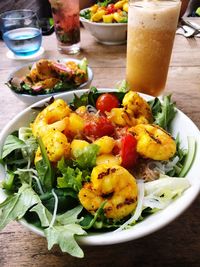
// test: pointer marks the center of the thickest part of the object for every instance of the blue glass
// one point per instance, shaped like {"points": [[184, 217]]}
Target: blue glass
{"points": [[21, 32]]}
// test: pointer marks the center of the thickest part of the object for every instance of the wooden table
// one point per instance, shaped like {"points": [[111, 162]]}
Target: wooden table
{"points": [[178, 244]]}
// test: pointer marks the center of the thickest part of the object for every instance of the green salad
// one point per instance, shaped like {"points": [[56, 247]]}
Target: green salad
{"points": [[103, 162]]}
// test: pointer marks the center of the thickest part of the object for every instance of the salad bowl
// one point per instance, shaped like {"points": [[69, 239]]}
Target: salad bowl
{"points": [[181, 125], [106, 33], [28, 98]]}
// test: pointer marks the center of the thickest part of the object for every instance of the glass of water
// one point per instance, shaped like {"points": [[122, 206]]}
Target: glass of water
{"points": [[21, 32]]}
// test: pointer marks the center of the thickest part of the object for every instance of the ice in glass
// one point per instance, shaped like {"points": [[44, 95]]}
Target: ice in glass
{"points": [[66, 24], [151, 30]]}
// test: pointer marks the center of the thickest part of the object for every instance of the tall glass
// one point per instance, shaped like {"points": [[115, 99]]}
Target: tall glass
{"points": [[151, 30], [66, 24]]}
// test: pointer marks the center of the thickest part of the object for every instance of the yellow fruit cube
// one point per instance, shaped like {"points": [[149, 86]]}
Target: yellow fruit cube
{"points": [[125, 7], [120, 4], [106, 144], [108, 159], [77, 145], [98, 16], [108, 18], [76, 123]]}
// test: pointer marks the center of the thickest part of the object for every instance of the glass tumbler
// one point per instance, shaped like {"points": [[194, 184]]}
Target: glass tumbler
{"points": [[66, 25], [21, 31], [151, 31]]}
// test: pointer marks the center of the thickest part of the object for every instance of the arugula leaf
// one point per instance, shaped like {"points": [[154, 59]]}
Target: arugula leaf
{"points": [[8, 182], [64, 236], [12, 143], [44, 215], [163, 113], [89, 220], [104, 3], [70, 216], [15, 206], [26, 135], [63, 232], [86, 14], [86, 158], [44, 168]]}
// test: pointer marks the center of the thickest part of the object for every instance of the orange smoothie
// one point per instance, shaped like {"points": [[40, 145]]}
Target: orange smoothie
{"points": [[151, 30]]}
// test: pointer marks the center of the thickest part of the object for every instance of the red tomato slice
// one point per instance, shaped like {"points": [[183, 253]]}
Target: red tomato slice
{"points": [[128, 151], [110, 9], [99, 127], [106, 102]]}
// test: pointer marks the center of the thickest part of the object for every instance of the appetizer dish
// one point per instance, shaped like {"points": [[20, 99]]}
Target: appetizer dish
{"points": [[49, 76], [107, 12], [100, 164]]}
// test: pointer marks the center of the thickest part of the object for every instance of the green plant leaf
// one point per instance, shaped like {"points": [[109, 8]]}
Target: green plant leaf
{"points": [[12, 143], [64, 237]]}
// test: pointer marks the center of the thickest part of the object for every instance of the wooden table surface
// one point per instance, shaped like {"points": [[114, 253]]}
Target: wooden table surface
{"points": [[178, 244]]}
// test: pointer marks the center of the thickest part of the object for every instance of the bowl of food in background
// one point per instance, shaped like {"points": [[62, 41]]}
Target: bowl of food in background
{"points": [[107, 23], [46, 77]]}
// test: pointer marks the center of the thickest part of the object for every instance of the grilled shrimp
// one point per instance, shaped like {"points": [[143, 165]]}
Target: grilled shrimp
{"points": [[135, 111], [153, 142], [56, 145], [111, 184], [54, 116], [137, 108], [42, 70]]}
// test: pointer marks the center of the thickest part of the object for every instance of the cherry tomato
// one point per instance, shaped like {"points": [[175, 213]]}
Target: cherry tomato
{"points": [[128, 151], [106, 102], [110, 9], [98, 127]]}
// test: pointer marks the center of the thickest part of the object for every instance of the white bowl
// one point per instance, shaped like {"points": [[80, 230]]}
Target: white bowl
{"points": [[31, 99], [106, 33], [181, 124]]}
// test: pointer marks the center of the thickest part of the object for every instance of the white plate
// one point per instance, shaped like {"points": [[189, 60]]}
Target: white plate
{"points": [[30, 99], [182, 125]]}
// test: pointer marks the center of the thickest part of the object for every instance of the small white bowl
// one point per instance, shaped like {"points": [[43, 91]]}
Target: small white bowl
{"points": [[106, 33], [31, 99], [181, 124]]}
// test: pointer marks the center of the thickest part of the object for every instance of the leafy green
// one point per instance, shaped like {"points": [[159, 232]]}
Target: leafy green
{"points": [[44, 215], [26, 135], [189, 157], [67, 199], [12, 143], [86, 158], [163, 112], [72, 178], [89, 220], [15, 206], [44, 168], [104, 3], [63, 232], [63, 235], [83, 65], [8, 182], [86, 14]]}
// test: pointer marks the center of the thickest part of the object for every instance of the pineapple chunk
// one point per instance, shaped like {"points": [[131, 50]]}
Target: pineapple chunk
{"points": [[108, 159], [77, 145], [106, 144], [76, 123], [108, 18], [98, 16]]}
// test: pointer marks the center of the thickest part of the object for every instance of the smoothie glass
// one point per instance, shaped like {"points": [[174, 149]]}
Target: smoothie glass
{"points": [[66, 24], [151, 30]]}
